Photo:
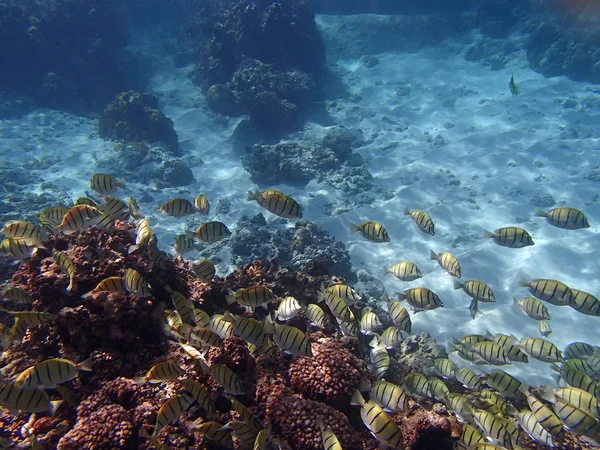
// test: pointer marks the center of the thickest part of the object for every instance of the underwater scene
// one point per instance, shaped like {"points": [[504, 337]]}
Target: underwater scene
{"points": [[299, 224]]}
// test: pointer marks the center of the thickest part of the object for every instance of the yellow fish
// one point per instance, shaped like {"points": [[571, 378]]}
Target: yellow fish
{"points": [[371, 230], [49, 373], [177, 207], [105, 184], [79, 218], [211, 232], [136, 284], [23, 399], [111, 284], [165, 371], [565, 217], [203, 269], [227, 378], [202, 204], [513, 237], [422, 219], [379, 423], [252, 296], [51, 218], [23, 230], [512, 86], [17, 249], [277, 203], [66, 264]]}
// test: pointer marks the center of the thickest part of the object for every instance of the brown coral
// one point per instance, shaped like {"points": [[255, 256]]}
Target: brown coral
{"points": [[426, 430]]}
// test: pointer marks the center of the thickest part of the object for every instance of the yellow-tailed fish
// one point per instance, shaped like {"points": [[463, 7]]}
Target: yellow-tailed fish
{"points": [[134, 209], [468, 379], [504, 383], [23, 399], [227, 379], [220, 326], [539, 349], [404, 271], [165, 371], [143, 234], [249, 329], [338, 306], [27, 231], [476, 289], [579, 350], [533, 307], [585, 303], [514, 353], [204, 269], [545, 328], [171, 411], [202, 205], [214, 431], [437, 389], [577, 420], [177, 207], [66, 264], [447, 261], [51, 218], [421, 299], [470, 436], [51, 372], [199, 393], [370, 323], [79, 218], [105, 184], [399, 314], [315, 314], [110, 284], [31, 317], [492, 426], [534, 429], [552, 291], [289, 339], [345, 292], [115, 207], [277, 203], [416, 384], [211, 232], [184, 243], [565, 217], [330, 440], [245, 434], [378, 422], [371, 230], [136, 284], [288, 308], [390, 397], [16, 294], [380, 358], [422, 219], [576, 397], [513, 237], [445, 367], [513, 87], [17, 249], [252, 296], [391, 337]]}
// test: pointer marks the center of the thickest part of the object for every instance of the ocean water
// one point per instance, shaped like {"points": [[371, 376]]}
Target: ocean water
{"points": [[422, 91]]}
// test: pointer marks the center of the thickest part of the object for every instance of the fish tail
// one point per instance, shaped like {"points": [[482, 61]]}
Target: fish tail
{"points": [[386, 270], [54, 405], [230, 297], [488, 235], [401, 296], [86, 365], [457, 284], [433, 255], [541, 213], [354, 228], [253, 195], [357, 398], [406, 211], [140, 381], [120, 182], [523, 282]]}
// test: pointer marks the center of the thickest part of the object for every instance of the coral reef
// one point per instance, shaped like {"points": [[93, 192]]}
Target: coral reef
{"points": [[69, 47], [132, 117]]}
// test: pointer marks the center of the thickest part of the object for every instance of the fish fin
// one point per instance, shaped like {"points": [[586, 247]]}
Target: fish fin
{"points": [[401, 296], [364, 386], [86, 365], [488, 235], [406, 211], [386, 270], [385, 297], [54, 405], [357, 398], [133, 248], [548, 394], [433, 255], [457, 284], [354, 228], [228, 317], [541, 213], [140, 381], [523, 282], [254, 196], [230, 297], [120, 182], [375, 341]]}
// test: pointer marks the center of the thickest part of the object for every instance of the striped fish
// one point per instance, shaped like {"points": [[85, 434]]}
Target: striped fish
{"points": [[136, 284], [585, 303], [579, 379], [110, 284], [115, 208], [460, 405], [277, 203], [463, 352], [105, 223], [205, 337], [514, 353], [576, 420], [183, 305], [371, 230], [16, 294], [183, 244], [288, 308], [513, 237], [227, 379], [87, 201], [17, 249], [437, 389], [289, 339], [404, 271], [565, 217], [214, 431], [349, 328], [421, 299], [504, 383], [134, 209], [579, 350], [416, 384], [576, 397], [399, 314], [261, 440], [159, 258], [369, 323], [51, 218], [534, 429], [171, 411], [204, 269], [211, 232], [66, 264], [315, 314], [448, 262], [252, 296], [79, 218], [551, 291], [492, 353], [380, 358], [422, 219], [51, 372], [249, 329], [221, 326], [533, 307], [468, 379], [492, 426], [338, 306], [445, 367], [202, 205], [545, 328], [476, 289], [245, 434], [143, 234], [470, 436], [30, 400], [378, 422], [540, 349], [105, 184], [245, 414], [390, 397], [177, 207], [345, 292], [544, 415], [26, 231], [30, 317], [165, 371], [492, 398], [330, 440], [201, 317], [391, 337]]}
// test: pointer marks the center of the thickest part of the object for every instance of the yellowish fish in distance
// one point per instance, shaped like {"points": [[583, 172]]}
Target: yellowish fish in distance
{"points": [[202, 205], [371, 230], [565, 217], [277, 203], [513, 87], [422, 219], [177, 207], [51, 372], [17, 249], [105, 184], [211, 232], [27, 231], [404, 271], [447, 261], [513, 237]]}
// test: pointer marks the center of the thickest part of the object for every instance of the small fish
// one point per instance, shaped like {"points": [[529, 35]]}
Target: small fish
{"points": [[199, 393], [105, 184], [513, 237], [31, 317], [492, 353], [421, 299], [110, 284], [23, 230], [66, 264], [136, 284], [473, 308], [585, 303], [221, 326], [551, 291], [422, 219], [338, 306], [545, 328], [380, 358], [249, 329], [184, 243], [379, 423], [534, 308], [390, 397], [134, 209], [201, 317], [115, 207], [288, 308], [17, 249], [183, 305], [211, 232], [470, 436], [492, 426], [350, 328], [214, 431], [261, 440], [369, 323], [315, 314], [202, 205], [79, 218], [245, 434], [227, 379], [448, 262], [202, 337], [51, 217], [106, 223], [459, 405], [576, 397], [252, 296], [51, 372], [289, 339], [445, 367], [416, 384], [399, 314], [534, 428], [468, 379], [437, 389], [506, 342], [143, 235], [23, 399], [565, 217], [404, 271], [204, 269], [16, 294], [330, 440], [165, 371], [171, 410], [576, 420], [87, 201], [579, 350], [345, 292], [391, 337], [159, 258], [177, 207], [540, 349], [503, 405], [277, 203], [373, 231], [245, 414], [512, 86], [476, 289], [504, 383]]}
